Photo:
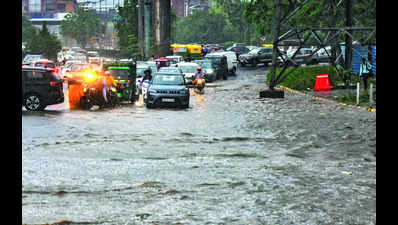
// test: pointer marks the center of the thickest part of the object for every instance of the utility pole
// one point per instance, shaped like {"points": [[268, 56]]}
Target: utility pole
{"points": [[348, 39], [147, 27], [141, 28]]}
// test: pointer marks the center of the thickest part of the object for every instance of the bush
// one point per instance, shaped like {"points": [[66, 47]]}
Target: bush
{"points": [[304, 77]]}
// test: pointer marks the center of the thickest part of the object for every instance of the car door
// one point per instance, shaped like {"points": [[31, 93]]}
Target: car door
{"points": [[261, 55], [36, 82]]}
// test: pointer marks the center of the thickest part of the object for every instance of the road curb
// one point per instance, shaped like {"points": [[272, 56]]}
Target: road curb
{"points": [[370, 109]]}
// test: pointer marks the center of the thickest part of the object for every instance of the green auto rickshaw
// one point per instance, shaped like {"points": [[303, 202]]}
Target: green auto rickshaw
{"points": [[125, 77]]}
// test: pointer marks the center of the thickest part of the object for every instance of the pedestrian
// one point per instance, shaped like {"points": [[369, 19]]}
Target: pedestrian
{"points": [[364, 71]]}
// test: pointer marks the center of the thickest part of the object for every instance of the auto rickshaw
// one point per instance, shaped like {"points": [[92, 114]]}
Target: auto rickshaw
{"points": [[162, 62], [189, 52], [125, 76]]}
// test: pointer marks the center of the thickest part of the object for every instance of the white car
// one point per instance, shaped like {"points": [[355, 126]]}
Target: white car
{"points": [[188, 69]]}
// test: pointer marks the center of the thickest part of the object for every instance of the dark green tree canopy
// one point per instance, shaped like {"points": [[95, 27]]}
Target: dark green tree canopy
{"points": [[43, 42]]}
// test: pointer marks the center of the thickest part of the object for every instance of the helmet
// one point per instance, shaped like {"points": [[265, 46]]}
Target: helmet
{"points": [[148, 70], [199, 69]]}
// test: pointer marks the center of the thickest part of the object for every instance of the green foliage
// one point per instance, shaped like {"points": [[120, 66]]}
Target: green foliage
{"points": [[28, 30], [304, 77], [224, 23], [82, 26], [44, 43], [127, 24]]}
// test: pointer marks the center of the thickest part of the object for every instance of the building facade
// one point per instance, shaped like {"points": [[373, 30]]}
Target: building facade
{"points": [[46, 8]]}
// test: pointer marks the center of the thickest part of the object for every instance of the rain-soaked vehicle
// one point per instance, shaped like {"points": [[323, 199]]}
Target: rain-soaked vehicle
{"points": [[41, 87], [125, 77], [168, 89]]}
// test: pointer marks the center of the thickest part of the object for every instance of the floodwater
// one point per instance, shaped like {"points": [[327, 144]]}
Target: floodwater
{"points": [[231, 158]]}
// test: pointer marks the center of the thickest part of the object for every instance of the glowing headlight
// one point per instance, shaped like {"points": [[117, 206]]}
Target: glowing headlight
{"points": [[209, 71], [90, 76]]}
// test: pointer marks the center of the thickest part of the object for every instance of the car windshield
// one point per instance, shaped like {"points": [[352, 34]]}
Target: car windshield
{"points": [[169, 69], [204, 64], [119, 74], [168, 80], [254, 51], [216, 60], [188, 69]]}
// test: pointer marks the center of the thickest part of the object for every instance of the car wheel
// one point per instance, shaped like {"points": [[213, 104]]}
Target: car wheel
{"points": [[33, 102], [85, 103]]}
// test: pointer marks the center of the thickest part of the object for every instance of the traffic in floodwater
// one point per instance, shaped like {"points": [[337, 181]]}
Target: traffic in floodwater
{"points": [[229, 158]]}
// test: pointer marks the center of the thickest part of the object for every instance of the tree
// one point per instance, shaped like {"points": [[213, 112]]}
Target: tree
{"points": [[126, 27], [43, 42], [81, 26], [28, 30], [203, 27]]}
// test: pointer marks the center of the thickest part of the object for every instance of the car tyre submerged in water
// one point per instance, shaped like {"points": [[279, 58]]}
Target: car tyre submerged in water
{"points": [[33, 102]]}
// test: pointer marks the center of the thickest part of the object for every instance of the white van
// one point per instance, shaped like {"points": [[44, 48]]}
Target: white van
{"points": [[232, 61]]}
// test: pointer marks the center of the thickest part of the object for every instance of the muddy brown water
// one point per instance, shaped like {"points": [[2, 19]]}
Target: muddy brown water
{"points": [[231, 158]]}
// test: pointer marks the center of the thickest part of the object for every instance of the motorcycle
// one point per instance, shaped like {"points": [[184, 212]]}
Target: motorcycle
{"points": [[199, 85], [94, 96]]}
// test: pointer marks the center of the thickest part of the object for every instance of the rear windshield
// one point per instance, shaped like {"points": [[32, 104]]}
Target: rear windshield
{"points": [[45, 64]]}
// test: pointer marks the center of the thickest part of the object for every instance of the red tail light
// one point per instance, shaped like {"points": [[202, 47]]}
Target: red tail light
{"points": [[53, 83]]}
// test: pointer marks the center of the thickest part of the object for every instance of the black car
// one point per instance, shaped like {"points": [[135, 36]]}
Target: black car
{"points": [[255, 56], [238, 50], [41, 87], [220, 65], [303, 56]]}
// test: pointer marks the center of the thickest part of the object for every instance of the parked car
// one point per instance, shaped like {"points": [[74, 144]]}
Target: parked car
{"points": [[256, 56], [41, 87], [220, 63], [232, 61], [208, 69], [238, 50], [167, 89], [303, 56]]}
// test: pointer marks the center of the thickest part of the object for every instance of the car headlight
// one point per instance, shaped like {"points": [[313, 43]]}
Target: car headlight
{"points": [[152, 91]]}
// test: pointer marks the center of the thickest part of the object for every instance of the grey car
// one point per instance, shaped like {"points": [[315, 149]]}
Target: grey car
{"points": [[168, 89]]}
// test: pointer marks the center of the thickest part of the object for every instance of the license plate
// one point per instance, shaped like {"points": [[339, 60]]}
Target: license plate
{"points": [[168, 100]]}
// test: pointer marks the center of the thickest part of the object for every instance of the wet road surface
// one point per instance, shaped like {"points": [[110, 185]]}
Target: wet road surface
{"points": [[231, 158]]}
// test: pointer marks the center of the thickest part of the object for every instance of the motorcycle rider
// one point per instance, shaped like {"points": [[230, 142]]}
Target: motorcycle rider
{"points": [[108, 83], [198, 75], [147, 75]]}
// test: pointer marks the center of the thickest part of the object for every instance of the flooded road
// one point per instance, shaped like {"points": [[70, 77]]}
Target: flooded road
{"points": [[231, 158]]}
